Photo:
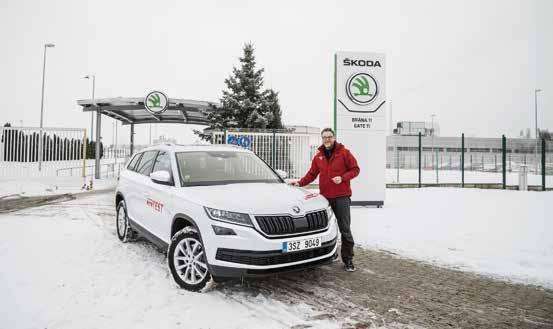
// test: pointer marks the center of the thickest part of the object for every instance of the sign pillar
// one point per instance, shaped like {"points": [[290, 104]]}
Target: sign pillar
{"points": [[360, 120]]}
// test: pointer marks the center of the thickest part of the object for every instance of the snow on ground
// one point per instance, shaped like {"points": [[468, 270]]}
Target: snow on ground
{"points": [[43, 186], [57, 177], [63, 267], [505, 234]]}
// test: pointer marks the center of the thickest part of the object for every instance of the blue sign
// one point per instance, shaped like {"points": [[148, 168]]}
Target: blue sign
{"points": [[243, 141]]}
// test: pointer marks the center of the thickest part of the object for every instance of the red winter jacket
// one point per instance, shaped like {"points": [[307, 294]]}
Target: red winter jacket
{"points": [[341, 163]]}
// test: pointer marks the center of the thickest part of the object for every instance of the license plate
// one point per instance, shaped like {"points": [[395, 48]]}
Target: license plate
{"points": [[304, 244]]}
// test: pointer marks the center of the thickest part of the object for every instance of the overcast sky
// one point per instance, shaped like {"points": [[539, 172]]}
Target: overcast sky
{"points": [[475, 64]]}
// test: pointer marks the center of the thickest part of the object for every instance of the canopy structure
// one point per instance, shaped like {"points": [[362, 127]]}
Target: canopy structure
{"points": [[131, 111]]}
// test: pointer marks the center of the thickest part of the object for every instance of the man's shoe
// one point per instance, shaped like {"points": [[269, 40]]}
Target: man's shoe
{"points": [[348, 266]]}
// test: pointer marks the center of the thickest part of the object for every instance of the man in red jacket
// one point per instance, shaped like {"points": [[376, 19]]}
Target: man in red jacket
{"points": [[336, 166]]}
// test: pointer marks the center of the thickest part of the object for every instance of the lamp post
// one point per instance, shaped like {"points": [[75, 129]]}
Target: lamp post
{"points": [[46, 45], [536, 91], [93, 77]]}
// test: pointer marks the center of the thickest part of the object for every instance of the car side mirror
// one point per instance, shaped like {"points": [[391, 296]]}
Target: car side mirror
{"points": [[161, 177], [283, 174]]}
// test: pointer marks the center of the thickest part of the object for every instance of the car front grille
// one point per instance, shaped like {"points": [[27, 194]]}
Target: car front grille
{"points": [[283, 225], [272, 257]]}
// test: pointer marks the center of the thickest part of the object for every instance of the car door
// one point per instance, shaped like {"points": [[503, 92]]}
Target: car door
{"points": [[127, 185], [141, 185], [160, 199]]}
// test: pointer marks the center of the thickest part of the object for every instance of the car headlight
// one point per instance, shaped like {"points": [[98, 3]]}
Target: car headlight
{"points": [[329, 213], [228, 216]]}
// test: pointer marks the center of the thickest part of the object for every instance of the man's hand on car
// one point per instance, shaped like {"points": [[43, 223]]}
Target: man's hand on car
{"points": [[337, 180], [294, 183]]}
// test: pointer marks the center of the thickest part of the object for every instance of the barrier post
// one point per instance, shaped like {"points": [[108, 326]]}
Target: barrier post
{"points": [[504, 160], [463, 160], [420, 153], [274, 149]]}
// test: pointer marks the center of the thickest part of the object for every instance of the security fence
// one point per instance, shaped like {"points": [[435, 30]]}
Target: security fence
{"points": [[30, 151], [287, 151], [461, 160]]}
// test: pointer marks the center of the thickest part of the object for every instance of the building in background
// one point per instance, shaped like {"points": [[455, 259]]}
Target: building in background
{"points": [[412, 128], [162, 139]]}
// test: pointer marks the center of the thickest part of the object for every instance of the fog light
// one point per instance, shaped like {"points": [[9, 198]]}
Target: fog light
{"points": [[219, 230]]}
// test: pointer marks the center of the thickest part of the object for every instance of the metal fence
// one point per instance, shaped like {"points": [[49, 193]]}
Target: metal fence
{"points": [[461, 160], [290, 152], [35, 152]]}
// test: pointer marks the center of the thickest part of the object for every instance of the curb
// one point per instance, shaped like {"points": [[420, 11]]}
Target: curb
{"points": [[24, 202]]}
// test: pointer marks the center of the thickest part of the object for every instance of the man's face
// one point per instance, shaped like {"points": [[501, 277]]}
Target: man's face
{"points": [[328, 139]]}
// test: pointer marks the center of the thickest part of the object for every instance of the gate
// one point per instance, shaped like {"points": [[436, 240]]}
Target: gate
{"points": [[290, 152]]}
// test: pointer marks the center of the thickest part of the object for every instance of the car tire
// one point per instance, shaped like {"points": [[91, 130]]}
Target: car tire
{"points": [[124, 231], [187, 260]]}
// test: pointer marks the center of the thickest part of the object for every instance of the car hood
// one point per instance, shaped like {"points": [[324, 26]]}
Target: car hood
{"points": [[255, 198]]}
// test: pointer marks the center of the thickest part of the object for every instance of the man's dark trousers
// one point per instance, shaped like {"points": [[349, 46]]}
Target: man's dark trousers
{"points": [[340, 207]]}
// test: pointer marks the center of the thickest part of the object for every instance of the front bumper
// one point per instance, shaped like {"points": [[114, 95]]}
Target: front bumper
{"points": [[223, 272], [249, 253]]}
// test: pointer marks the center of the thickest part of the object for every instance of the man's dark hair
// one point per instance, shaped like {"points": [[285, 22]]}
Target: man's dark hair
{"points": [[328, 129]]}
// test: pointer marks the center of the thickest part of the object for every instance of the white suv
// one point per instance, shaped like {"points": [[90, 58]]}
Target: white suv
{"points": [[222, 212]]}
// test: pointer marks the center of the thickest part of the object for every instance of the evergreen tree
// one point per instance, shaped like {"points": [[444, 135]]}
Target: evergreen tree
{"points": [[271, 100], [244, 104]]}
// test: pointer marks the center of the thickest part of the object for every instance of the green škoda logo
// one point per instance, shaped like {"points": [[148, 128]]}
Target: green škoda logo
{"points": [[362, 85], [156, 102], [361, 88]]}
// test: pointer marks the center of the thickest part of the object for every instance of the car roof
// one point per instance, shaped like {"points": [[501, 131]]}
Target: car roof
{"points": [[194, 147]]}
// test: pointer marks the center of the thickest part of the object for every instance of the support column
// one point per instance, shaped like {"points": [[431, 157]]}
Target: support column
{"points": [[98, 139], [543, 167], [132, 139]]}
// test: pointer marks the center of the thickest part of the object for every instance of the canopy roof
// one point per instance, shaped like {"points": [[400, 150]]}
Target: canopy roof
{"points": [[131, 110]]}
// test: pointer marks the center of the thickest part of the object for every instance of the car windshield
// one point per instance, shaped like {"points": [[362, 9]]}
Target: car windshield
{"points": [[223, 167]]}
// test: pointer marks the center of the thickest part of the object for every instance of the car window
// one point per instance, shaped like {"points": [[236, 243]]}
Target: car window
{"points": [[134, 161], [222, 167], [144, 167], [163, 162]]}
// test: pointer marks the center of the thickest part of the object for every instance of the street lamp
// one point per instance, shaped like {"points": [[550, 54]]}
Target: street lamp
{"points": [[46, 45], [536, 91], [93, 77]]}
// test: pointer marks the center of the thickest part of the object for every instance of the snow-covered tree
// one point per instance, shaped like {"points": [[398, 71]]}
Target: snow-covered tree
{"points": [[244, 104], [271, 100]]}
